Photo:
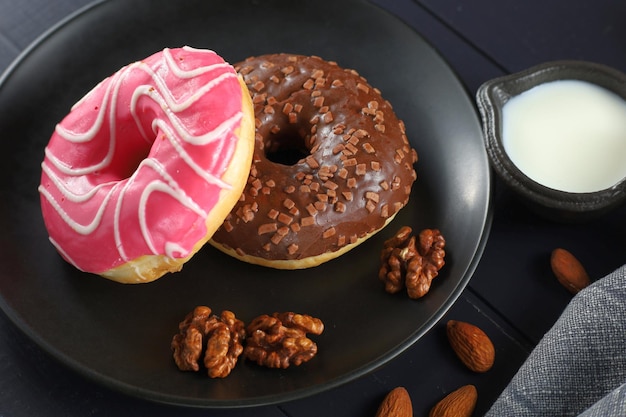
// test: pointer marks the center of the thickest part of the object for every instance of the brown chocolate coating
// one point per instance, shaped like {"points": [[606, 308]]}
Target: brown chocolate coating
{"points": [[354, 168]]}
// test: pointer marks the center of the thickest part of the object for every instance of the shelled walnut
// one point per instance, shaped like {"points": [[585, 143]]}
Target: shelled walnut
{"points": [[410, 263], [280, 340], [219, 337]]}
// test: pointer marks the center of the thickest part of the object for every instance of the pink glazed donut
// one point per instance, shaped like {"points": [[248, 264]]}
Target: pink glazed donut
{"points": [[145, 167]]}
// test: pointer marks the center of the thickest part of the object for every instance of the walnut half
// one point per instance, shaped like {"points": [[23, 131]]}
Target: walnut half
{"points": [[410, 263], [280, 340], [219, 337]]}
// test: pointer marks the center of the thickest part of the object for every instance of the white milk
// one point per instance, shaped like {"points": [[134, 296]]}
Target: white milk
{"points": [[568, 135]]}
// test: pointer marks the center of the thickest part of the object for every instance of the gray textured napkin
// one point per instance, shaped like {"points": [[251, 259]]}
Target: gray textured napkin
{"points": [[579, 366]]}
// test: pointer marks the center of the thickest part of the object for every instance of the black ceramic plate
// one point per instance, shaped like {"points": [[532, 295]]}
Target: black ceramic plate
{"points": [[120, 335]]}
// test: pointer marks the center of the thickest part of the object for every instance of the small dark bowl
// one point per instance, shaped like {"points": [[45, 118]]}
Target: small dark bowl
{"points": [[555, 204]]}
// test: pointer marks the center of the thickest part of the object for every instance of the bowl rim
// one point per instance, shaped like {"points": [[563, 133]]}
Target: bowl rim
{"points": [[493, 94]]}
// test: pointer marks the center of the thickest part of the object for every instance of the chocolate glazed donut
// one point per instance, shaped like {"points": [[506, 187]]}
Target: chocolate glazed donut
{"points": [[332, 164]]}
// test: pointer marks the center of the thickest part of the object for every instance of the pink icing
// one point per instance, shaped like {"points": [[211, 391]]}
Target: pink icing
{"points": [[134, 169]]}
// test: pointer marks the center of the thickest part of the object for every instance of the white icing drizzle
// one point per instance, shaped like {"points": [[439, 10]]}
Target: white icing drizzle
{"points": [[81, 137], [173, 189], [64, 254], [189, 160], [83, 229], [163, 96], [174, 250], [67, 192], [92, 132]]}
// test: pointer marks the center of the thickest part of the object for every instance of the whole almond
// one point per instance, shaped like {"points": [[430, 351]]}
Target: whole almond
{"points": [[397, 403], [568, 270], [471, 345], [459, 403]]}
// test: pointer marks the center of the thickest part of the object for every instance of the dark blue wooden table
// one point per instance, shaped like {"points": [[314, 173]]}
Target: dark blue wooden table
{"points": [[512, 295]]}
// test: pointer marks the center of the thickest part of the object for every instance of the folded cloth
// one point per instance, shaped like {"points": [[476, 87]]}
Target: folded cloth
{"points": [[579, 366]]}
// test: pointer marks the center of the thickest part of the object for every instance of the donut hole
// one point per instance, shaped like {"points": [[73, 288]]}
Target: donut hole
{"points": [[126, 160], [287, 147], [128, 169]]}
